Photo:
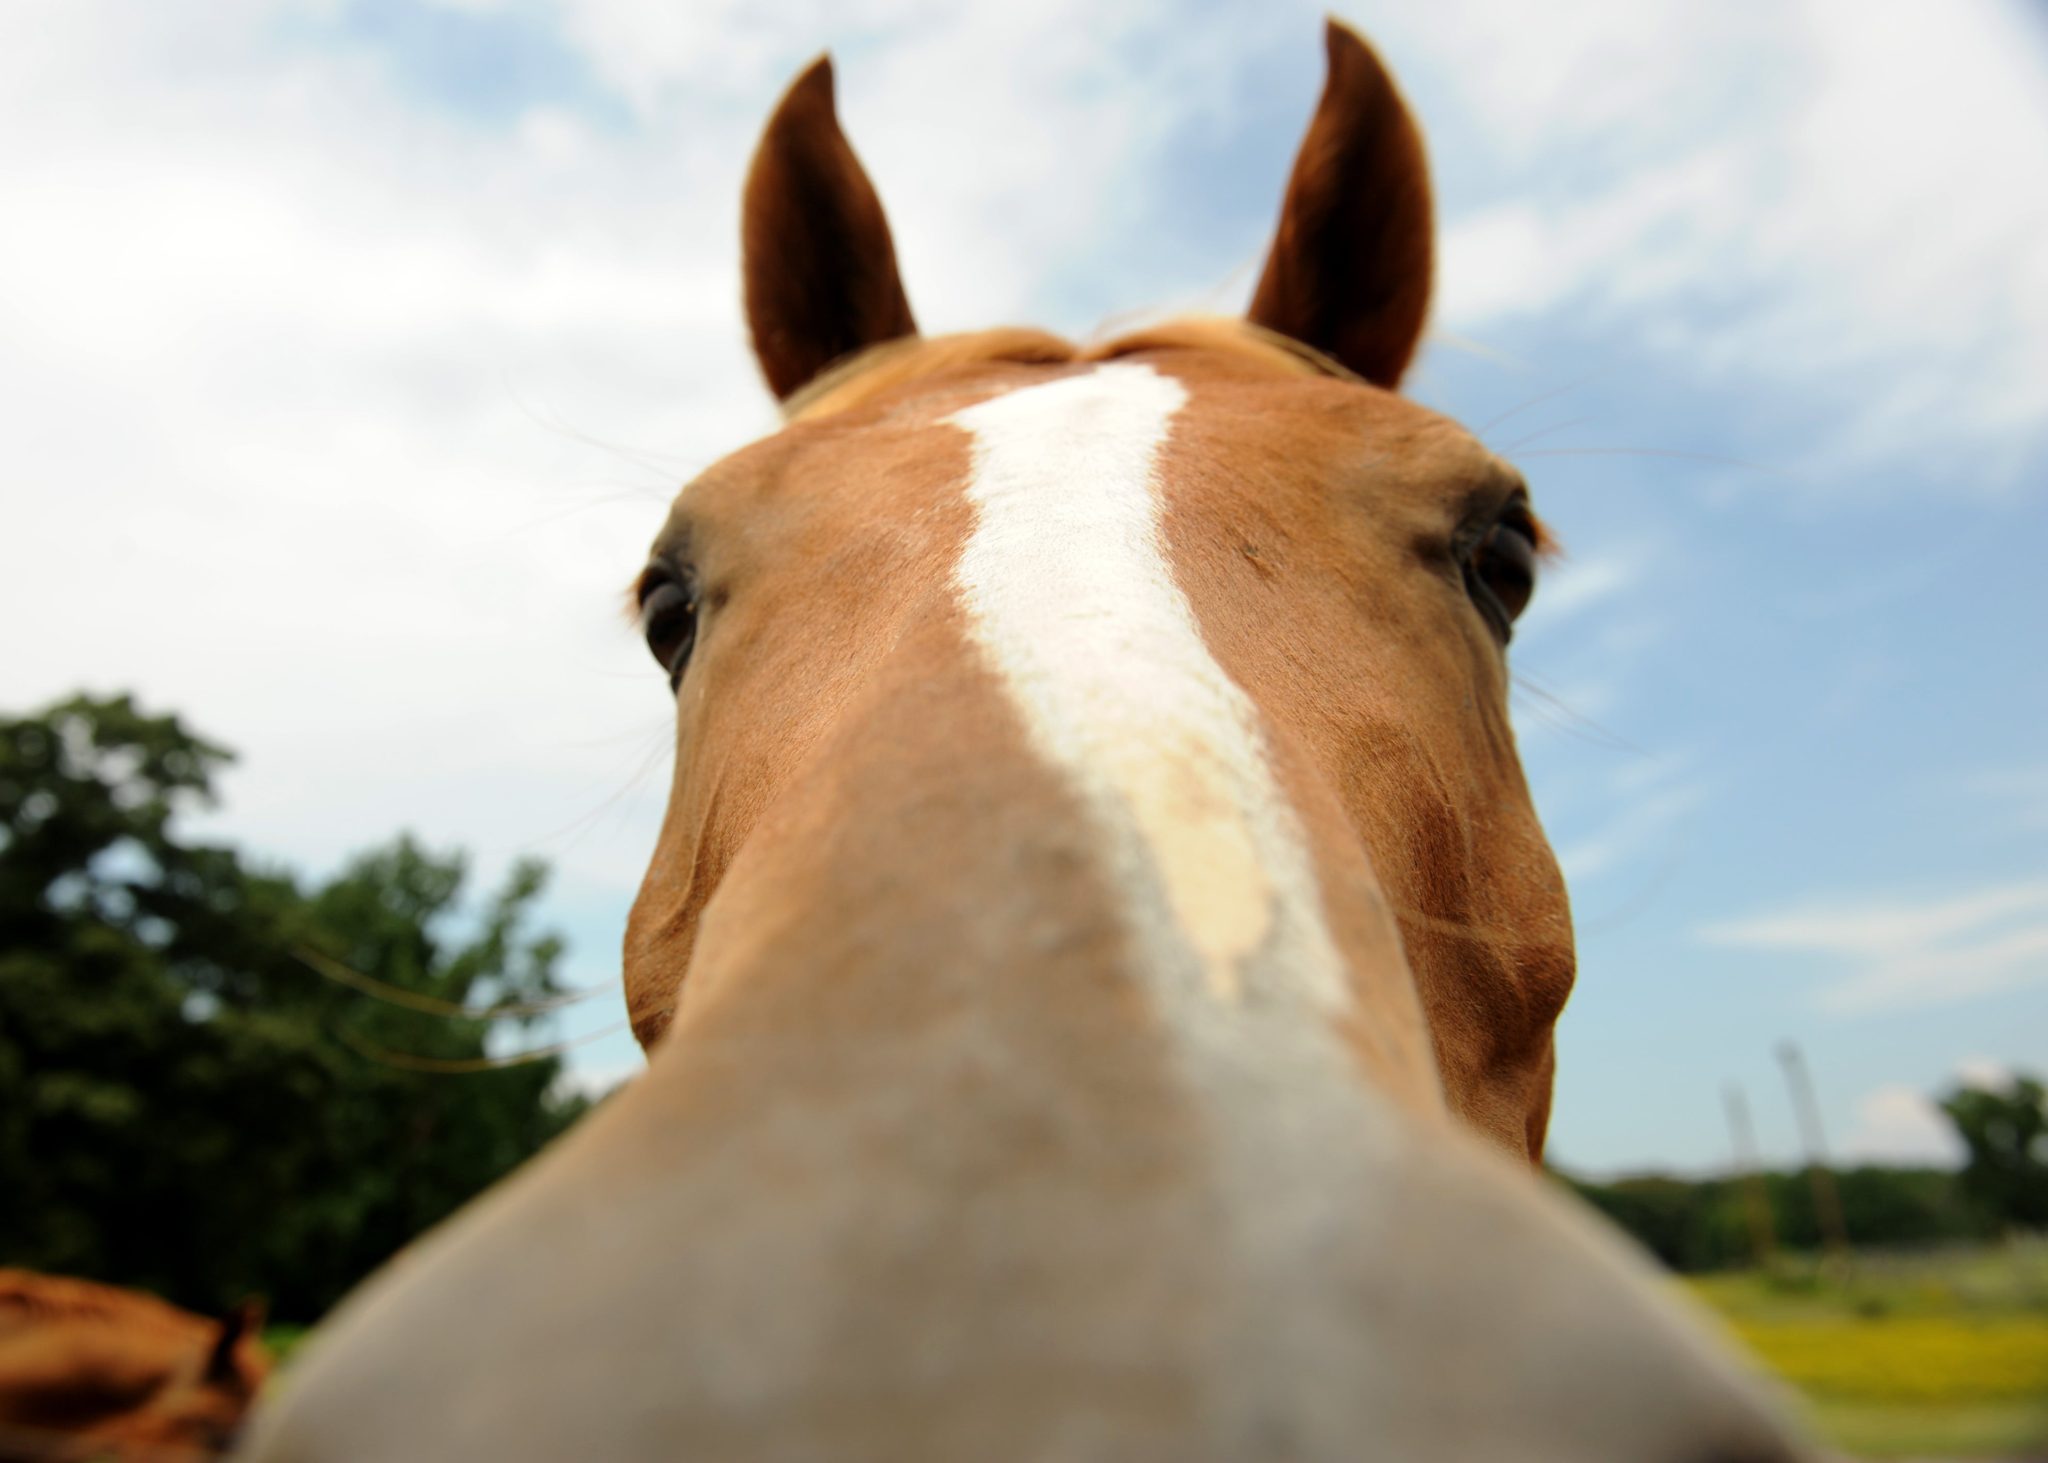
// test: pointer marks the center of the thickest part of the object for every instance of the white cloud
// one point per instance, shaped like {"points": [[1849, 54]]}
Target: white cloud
{"points": [[280, 356], [1896, 1124], [1619, 78], [1904, 953], [1985, 1072], [1841, 196], [1011, 144]]}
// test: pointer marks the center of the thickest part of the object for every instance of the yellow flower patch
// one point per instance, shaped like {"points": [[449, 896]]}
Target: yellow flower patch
{"points": [[1906, 1358]]}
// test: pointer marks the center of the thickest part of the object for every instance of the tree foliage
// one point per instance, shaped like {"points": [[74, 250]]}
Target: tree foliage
{"points": [[1700, 1224], [184, 1105], [1696, 1225], [2006, 1135]]}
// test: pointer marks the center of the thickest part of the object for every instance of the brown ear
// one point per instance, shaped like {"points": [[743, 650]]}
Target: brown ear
{"points": [[820, 266], [244, 1320], [1350, 268]]}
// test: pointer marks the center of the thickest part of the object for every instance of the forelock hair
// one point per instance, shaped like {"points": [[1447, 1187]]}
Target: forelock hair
{"points": [[878, 369]]}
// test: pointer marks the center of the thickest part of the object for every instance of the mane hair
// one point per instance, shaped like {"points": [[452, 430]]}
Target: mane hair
{"points": [[867, 374]]}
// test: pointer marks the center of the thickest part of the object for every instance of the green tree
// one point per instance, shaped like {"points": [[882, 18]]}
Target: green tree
{"points": [[2006, 1135], [184, 1104], [1698, 1224]]}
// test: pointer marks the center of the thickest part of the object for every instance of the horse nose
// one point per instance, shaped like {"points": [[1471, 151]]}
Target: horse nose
{"points": [[1457, 1311], [1517, 1326]]}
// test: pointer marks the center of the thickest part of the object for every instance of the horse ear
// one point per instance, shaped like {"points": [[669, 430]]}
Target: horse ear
{"points": [[820, 266], [245, 1319], [1350, 268]]}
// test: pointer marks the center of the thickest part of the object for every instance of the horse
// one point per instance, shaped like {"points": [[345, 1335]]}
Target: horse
{"points": [[1099, 962], [95, 1371]]}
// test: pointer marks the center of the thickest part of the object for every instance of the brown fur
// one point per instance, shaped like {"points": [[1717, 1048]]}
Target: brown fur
{"points": [[92, 1371], [1399, 732], [869, 373]]}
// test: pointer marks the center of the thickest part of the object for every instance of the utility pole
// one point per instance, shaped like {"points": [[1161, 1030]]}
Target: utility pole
{"points": [[1756, 1198], [1827, 1199]]}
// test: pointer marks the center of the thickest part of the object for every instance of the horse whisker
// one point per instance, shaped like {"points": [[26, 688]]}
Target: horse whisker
{"points": [[1550, 395], [1711, 458], [458, 1066], [328, 968]]}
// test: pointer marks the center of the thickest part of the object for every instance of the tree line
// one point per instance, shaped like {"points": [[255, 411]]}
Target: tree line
{"points": [[185, 1105], [1707, 1224], [1695, 1225]]}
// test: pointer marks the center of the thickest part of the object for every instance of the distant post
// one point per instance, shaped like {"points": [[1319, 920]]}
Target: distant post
{"points": [[1827, 1199], [1756, 1199]]}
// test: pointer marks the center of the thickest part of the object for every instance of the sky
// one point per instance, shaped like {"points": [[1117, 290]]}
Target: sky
{"points": [[350, 351]]}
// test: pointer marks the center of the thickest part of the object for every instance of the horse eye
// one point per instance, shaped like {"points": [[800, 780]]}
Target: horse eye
{"points": [[668, 618], [1501, 574]]}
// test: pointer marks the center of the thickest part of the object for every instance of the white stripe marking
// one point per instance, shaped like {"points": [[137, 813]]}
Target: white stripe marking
{"points": [[1069, 592]]}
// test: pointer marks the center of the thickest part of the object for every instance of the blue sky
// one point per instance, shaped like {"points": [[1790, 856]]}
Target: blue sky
{"points": [[352, 348]]}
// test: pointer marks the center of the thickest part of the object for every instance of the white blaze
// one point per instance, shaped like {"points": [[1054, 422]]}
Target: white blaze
{"points": [[1071, 596]]}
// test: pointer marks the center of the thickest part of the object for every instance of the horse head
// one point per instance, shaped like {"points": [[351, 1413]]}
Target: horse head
{"points": [[1099, 963]]}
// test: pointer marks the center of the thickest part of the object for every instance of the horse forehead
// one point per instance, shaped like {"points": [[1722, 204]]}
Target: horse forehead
{"points": [[909, 443], [1243, 412], [1072, 602], [1311, 427]]}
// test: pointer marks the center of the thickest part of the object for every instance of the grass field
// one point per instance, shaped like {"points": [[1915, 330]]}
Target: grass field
{"points": [[1906, 1356]]}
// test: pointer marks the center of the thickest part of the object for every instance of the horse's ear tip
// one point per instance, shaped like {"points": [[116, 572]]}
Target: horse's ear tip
{"points": [[806, 102], [1355, 68], [245, 1316], [815, 80], [242, 1320]]}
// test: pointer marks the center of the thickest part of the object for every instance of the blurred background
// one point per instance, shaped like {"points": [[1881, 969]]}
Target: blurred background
{"points": [[350, 351]]}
